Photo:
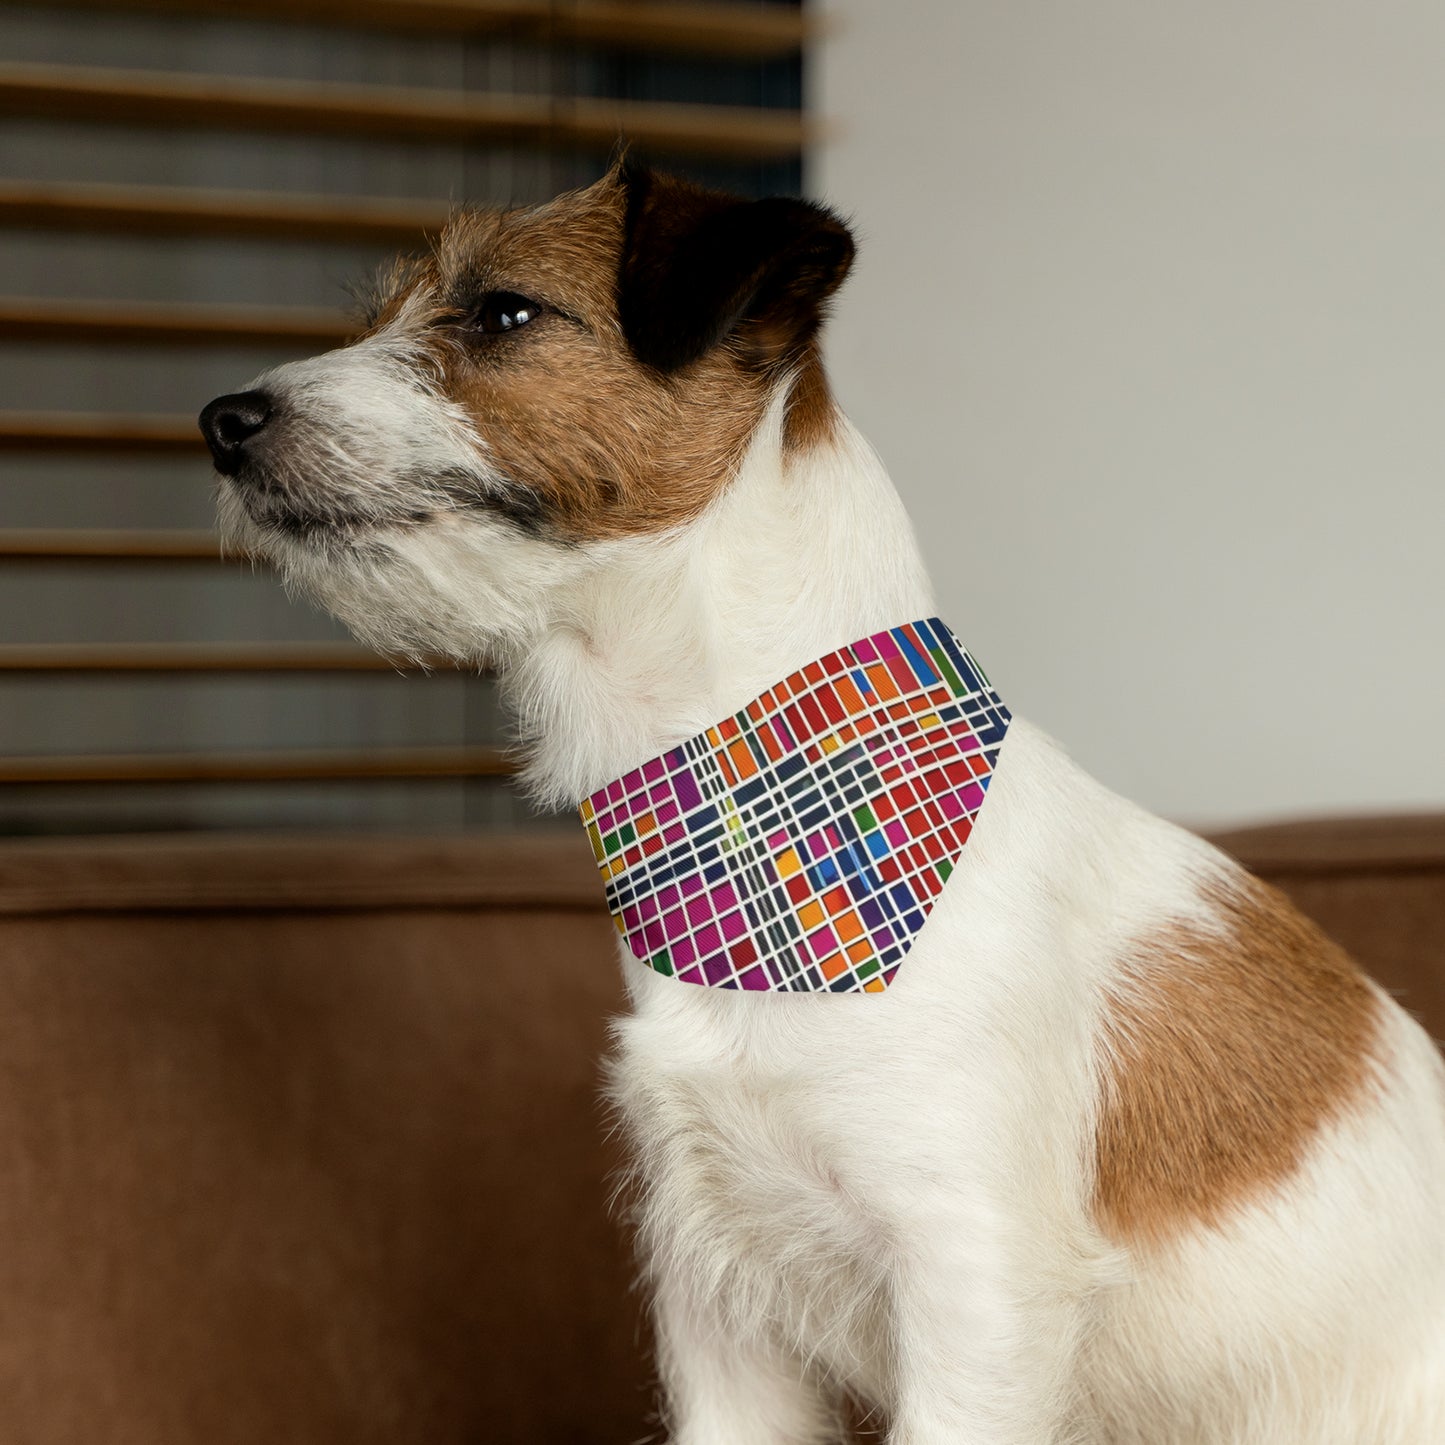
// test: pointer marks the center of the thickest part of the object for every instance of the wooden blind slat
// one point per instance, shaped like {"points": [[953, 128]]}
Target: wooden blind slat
{"points": [[170, 323], [216, 102], [200, 657], [175, 210], [709, 29], [78, 431], [77, 544], [259, 767]]}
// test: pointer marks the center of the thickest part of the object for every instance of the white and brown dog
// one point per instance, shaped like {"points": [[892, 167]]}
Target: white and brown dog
{"points": [[1129, 1153]]}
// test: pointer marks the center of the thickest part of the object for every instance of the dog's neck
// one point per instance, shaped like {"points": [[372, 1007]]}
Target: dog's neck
{"points": [[802, 554]]}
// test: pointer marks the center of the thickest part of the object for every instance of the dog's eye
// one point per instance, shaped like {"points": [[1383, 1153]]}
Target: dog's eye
{"points": [[504, 311]]}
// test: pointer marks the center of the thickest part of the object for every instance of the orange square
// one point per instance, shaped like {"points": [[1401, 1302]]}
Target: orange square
{"points": [[645, 824], [874, 985], [811, 914], [860, 952], [836, 899], [742, 758], [833, 966], [755, 711], [848, 693], [848, 926], [882, 681]]}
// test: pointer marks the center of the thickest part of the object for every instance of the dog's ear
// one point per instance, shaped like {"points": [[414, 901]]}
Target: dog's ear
{"points": [[699, 266]]}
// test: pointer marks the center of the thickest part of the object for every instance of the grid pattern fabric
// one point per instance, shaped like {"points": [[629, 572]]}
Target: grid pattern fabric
{"points": [[799, 844]]}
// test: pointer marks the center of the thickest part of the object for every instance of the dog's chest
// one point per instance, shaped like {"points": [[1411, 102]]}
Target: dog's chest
{"points": [[745, 1152]]}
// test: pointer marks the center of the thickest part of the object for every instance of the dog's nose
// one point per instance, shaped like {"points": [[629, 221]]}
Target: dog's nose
{"points": [[229, 422]]}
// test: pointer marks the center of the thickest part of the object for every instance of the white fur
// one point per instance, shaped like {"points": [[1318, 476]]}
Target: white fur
{"points": [[891, 1194]]}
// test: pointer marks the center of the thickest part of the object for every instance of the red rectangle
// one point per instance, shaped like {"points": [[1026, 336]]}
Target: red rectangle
{"points": [[797, 723], [813, 713], [828, 701], [770, 743], [902, 673]]}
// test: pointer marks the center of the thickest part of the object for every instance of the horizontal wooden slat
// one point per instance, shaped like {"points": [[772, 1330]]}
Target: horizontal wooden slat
{"points": [[76, 544], [83, 431], [218, 102], [131, 657], [259, 767], [170, 323], [175, 210], [755, 31]]}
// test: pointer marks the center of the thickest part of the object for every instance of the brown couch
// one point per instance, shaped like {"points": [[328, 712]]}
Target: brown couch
{"points": [[301, 1139]]}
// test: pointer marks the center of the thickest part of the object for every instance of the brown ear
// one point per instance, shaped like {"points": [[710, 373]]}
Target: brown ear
{"points": [[699, 266]]}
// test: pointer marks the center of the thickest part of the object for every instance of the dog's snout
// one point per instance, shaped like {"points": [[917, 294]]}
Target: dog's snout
{"points": [[229, 422]]}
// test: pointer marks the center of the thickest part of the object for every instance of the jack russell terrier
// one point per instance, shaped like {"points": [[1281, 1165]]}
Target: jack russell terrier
{"points": [[956, 1085]]}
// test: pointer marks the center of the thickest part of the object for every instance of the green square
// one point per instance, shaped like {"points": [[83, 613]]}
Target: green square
{"points": [[610, 844], [864, 818], [662, 962], [867, 970], [944, 869], [627, 833], [955, 682]]}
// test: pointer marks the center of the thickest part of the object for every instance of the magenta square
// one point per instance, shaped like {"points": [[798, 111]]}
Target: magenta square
{"points": [[698, 911], [615, 789], [692, 975], [972, 797], [897, 833], [723, 897], [653, 936], [823, 943], [886, 645], [647, 905], [674, 834], [717, 968], [653, 769], [816, 846], [667, 812], [683, 952], [733, 926], [606, 822], [865, 651], [754, 979], [674, 923], [949, 806], [708, 940], [691, 884], [778, 841], [668, 897], [662, 793], [631, 917]]}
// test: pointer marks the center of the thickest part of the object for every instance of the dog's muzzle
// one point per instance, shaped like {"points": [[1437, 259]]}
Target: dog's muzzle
{"points": [[230, 422]]}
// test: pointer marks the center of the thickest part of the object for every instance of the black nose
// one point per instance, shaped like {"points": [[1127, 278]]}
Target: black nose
{"points": [[229, 422]]}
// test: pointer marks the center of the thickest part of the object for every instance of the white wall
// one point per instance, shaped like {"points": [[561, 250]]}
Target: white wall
{"points": [[1149, 323]]}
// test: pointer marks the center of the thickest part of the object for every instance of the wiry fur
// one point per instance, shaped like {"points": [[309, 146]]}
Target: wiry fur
{"points": [[897, 1196]]}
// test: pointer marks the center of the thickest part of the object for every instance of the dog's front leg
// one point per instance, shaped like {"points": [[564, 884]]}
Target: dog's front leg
{"points": [[985, 1341], [721, 1387]]}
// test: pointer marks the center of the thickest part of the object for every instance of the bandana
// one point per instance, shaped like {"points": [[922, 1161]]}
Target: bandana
{"points": [[799, 844]]}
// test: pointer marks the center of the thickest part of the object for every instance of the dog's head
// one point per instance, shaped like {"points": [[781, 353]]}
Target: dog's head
{"points": [[548, 382]]}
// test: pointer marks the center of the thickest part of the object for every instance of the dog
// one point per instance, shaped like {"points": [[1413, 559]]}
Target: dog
{"points": [[1128, 1153]]}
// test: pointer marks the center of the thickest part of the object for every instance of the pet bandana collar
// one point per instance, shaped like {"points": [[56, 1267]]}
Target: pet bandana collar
{"points": [[799, 844]]}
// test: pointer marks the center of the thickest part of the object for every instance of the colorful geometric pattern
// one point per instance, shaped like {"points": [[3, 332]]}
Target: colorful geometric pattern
{"points": [[799, 844]]}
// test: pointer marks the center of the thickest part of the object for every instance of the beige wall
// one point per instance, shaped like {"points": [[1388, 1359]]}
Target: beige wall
{"points": [[1149, 323]]}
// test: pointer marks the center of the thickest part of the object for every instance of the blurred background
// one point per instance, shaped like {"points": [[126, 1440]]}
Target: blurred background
{"points": [[1146, 322]]}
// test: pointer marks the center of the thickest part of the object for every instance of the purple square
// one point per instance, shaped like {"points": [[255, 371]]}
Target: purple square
{"points": [[755, 979], [685, 786], [708, 940], [870, 913], [733, 926], [883, 937], [699, 910], [717, 968]]}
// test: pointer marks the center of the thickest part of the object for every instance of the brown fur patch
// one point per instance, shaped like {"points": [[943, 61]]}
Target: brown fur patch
{"points": [[1226, 1054], [604, 445]]}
